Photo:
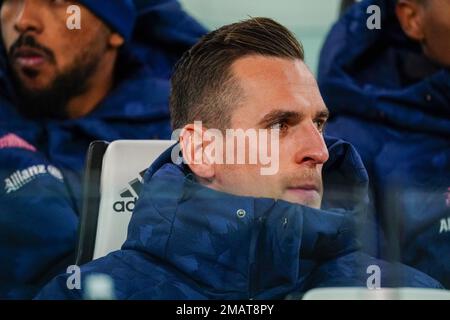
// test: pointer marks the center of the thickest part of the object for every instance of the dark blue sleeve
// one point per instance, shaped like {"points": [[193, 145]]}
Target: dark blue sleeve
{"points": [[351, 270], [38, 223]]}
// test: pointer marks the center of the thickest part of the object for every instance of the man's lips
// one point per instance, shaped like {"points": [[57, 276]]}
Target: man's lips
{"points": [[29, 57], [307, 189]]}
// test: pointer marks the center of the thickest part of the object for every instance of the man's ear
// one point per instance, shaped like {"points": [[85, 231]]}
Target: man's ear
{"points": [[410, 15], [193, 148], [115, 40]]}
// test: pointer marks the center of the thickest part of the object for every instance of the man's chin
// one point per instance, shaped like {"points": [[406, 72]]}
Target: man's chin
{"points": [[38, 83], [38, 100], [308, 199]]}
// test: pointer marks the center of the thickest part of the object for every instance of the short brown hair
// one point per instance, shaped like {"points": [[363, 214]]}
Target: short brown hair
{"points": [[203, 87]]}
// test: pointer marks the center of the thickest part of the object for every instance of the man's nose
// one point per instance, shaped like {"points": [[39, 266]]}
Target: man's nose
{"points": [[27, 17], [311, 147]]}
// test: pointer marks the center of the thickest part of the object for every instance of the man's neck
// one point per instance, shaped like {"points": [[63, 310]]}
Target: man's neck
{"points": [[98, 86]]}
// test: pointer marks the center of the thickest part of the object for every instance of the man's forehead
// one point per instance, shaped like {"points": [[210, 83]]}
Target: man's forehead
{"points": [[277, 82], [272, 78], [258, 66]]}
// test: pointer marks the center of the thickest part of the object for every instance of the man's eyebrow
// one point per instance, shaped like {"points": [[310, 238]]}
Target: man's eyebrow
{"points": [[279, 115], [294, 117], [323, 114]]}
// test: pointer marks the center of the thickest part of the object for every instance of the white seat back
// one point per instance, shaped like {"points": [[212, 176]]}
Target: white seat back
{"points": [[124, 164], [377, 294]]}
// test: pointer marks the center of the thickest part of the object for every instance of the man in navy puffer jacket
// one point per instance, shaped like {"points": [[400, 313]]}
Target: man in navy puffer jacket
{"points": [[389, 93], [60, 89], [215, 227], [108, 80]]}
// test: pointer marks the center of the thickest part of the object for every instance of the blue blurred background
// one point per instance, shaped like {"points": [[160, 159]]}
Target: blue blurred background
{"points": [[309, 20]]}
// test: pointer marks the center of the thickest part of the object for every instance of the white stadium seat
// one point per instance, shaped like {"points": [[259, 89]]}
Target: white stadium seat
{"points": [[376, 294], [113, 180]]}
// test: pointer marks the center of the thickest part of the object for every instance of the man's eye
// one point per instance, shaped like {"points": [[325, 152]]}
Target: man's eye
{"points": [[282, 126], [320, 124]]}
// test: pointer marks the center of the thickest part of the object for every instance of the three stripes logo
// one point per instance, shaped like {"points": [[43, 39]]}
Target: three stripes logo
{"points": [[130, 195]]}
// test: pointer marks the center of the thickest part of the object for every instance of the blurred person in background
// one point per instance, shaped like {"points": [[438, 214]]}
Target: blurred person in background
{"points": [[388, 91], [62, 88]]}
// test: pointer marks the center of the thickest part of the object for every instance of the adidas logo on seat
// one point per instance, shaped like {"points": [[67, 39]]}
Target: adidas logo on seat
{"points": [[131, 193]]}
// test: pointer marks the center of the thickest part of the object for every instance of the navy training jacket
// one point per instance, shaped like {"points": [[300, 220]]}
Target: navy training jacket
{"points": [[38, 220]]}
